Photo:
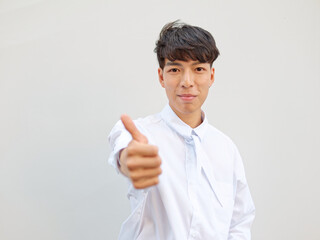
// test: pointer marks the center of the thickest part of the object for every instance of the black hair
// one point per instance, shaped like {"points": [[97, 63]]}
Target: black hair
{"points": [[180, 41]]}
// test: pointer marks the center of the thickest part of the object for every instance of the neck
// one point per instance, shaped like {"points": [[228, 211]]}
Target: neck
{"points": [[192, 119]]}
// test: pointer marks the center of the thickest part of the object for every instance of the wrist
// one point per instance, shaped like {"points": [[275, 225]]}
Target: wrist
{"points": [[121, 164]]}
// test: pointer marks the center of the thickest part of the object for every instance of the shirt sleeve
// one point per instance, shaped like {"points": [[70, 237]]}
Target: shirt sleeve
{"points": [[119, 138], [244, 209]]}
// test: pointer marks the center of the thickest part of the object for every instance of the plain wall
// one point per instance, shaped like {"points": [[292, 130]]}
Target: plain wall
{"points": [[68, 69]]}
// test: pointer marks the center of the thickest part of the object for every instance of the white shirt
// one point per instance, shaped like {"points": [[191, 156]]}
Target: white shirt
{"points": [[202, 191]]}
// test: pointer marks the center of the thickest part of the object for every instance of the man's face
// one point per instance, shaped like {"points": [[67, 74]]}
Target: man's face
{"points": [[186, 84]]}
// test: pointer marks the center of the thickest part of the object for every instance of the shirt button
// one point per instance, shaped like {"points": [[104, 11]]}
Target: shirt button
{"points": [[194, 235]]}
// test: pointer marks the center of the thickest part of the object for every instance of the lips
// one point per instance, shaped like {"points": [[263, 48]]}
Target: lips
{"points": [[187, 97]]}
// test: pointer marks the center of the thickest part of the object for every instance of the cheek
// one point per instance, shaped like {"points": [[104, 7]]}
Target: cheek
{"points": [[205, 84], [170, 90], [170, 86], [204, 91]]}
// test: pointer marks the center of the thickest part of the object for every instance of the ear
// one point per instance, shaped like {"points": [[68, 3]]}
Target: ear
{"points": [[160, 74], [211, 77]]}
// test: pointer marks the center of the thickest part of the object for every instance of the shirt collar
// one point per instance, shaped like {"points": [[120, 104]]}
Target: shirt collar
{"points": [[174, 122]]}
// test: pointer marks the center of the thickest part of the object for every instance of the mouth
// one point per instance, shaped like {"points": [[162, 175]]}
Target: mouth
{"points": [[187, 97]]}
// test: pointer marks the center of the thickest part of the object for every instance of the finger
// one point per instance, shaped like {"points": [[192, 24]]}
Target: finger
{"points": [[145, 173], [145, 162], [142, 149], [144, 183], [132, 129]]}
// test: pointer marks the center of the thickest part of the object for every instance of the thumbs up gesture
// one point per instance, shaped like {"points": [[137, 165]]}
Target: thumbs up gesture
{"points": [[139, 161]]}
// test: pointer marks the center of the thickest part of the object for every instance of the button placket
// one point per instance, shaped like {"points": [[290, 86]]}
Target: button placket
{"points": [[191, 168]]}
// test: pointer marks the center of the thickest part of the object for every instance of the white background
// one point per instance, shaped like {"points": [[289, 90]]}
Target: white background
{"points": [[68, 69]]}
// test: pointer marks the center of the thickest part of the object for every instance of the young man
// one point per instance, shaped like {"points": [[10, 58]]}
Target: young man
{"points": [[186, 178]]}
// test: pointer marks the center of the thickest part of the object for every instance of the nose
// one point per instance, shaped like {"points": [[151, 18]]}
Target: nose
{"points": [[187, 80]]}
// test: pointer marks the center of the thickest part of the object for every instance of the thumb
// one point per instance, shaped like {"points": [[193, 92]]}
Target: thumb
{"points": [[132, 129]]}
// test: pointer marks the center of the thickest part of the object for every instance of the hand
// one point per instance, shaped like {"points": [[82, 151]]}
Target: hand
{"points": [[139, 161]]}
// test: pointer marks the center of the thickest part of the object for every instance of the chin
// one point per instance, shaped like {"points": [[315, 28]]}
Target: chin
{"points": [[187, 109], [184, 108]]}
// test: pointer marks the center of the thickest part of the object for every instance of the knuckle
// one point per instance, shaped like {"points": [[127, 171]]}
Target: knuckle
{"points": [[137, 185], [156, 181], [130, 164], [155, 149], [134, 176], [130, 150], [158, 161]]}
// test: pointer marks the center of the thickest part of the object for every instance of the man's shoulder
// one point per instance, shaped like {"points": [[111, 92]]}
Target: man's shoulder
{"points": [[149, 123], [148, 120], [218, 135]]}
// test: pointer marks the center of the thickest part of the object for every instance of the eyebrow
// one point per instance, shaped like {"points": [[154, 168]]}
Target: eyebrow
{"points": [[173, 64], [169, 63]]}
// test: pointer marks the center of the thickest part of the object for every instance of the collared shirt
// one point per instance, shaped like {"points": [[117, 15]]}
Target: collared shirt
{"points": [[202, 191]]}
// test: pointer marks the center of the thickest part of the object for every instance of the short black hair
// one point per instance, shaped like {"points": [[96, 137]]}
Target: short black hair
{"points": [[180, 41]]}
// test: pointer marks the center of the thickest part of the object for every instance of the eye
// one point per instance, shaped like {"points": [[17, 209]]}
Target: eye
{"points": [[174, 70], [199, 69]]}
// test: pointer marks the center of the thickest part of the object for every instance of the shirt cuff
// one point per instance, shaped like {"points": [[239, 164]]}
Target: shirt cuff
{"points": [[114, 155]]}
